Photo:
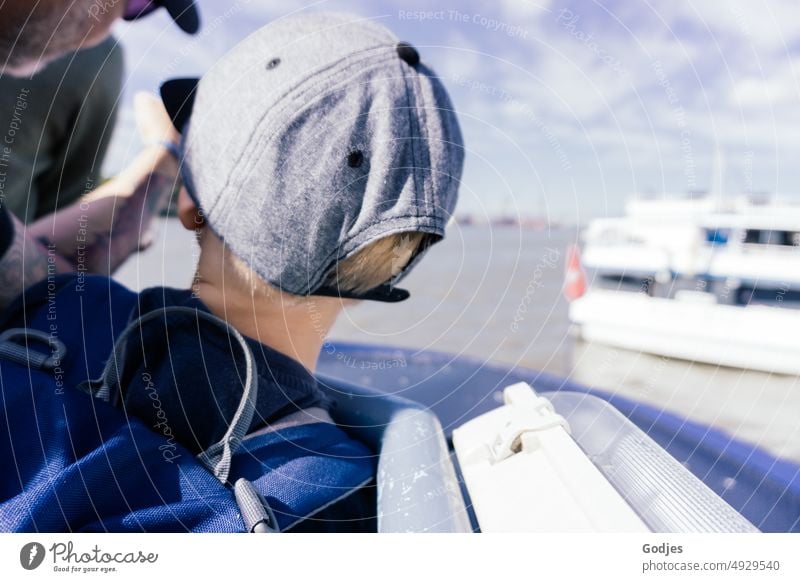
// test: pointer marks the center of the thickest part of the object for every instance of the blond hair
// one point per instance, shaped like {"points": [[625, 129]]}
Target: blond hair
{"points": [[374, 265]]}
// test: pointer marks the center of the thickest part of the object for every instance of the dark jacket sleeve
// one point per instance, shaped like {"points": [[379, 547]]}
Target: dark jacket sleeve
{"points": [[6, 230]]}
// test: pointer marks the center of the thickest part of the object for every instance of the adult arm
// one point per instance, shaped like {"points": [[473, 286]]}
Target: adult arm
{"points": [[23, 261], [99, 231], [94, 234]]}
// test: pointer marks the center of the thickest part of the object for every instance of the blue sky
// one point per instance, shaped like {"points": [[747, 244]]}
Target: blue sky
{"points": [[568, 107]]}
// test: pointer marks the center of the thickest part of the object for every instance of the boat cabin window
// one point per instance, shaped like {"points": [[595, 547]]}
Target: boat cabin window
{"points": [[717, 236], [631, 283], [758, 236], [781, 296]]}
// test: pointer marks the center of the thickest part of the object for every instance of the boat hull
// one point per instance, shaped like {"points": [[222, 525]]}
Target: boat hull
{"points": [[752, 337]]}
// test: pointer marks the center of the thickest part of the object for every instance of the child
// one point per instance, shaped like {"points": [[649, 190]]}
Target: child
{"points": [[320, 160]]}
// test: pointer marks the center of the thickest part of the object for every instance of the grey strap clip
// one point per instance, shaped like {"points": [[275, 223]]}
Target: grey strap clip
{"points": [[256, 512]]}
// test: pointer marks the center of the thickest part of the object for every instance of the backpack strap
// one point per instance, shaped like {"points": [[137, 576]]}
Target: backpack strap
{"points": [[217, 457], [11, 348]]}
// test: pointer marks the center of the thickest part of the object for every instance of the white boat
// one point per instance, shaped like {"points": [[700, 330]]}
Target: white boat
{"points": [[707, 280]]}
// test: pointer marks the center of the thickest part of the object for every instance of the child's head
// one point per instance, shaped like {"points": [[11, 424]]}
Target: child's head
{"points": [[324, 157]]}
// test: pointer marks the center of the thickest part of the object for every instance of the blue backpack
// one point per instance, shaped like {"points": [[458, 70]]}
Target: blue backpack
{"points": [[74, 462]]}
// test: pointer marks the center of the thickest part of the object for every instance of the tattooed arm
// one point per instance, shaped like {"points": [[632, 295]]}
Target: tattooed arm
{"points": [[102, 229], [23, 261], [99, 231], [96, 233]]}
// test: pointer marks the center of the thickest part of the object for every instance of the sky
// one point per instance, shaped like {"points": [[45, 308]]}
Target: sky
{"points": [[568, 108]]}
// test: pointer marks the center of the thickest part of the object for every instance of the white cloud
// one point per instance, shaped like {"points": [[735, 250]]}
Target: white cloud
{"points": [[524, 10], [768, 24], [753, 92]]}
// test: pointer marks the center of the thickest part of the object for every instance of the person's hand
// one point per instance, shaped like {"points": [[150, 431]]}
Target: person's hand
{"points": [[153, 121]]}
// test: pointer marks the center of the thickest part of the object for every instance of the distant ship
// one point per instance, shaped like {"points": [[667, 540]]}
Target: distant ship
{"points": [[706, 279], [504, 221]]}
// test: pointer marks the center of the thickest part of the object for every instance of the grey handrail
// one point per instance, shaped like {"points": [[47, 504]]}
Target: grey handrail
{"points": [[665, 494], [418, 489]]}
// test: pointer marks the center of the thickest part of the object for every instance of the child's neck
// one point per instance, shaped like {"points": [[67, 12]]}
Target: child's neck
{"points": [[296, 328]]}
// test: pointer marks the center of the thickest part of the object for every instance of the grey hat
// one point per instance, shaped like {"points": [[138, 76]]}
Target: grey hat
{"points": [[312, 138]]}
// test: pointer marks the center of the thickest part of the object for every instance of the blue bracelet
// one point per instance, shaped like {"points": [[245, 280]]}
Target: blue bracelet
{"points": [[173, 148]]}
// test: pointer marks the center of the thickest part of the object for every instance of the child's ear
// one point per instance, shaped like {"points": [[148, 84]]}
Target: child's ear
{"points": [[188, 213]]}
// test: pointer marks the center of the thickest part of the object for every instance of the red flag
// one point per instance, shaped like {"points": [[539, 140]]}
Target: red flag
{"points": [[574, 276]]}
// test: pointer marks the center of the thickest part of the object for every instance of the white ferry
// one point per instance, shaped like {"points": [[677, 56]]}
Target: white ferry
{"points": [[702, 279]]}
